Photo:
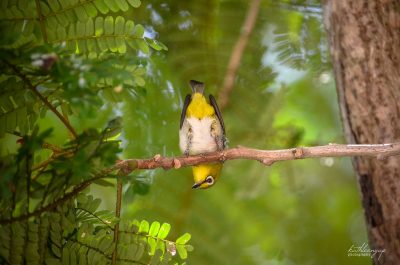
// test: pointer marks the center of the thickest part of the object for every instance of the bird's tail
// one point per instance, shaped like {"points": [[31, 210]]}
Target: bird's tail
{"points": [[197, 87]]}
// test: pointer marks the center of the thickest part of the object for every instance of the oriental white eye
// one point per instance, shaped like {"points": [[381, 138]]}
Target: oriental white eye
{"points": [[210, 180]]}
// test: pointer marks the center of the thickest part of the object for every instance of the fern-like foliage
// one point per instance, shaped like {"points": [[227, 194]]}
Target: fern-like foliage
{"points": [[71, 27], [82, 25], [71, 235], [57, 221], [70, 58]]}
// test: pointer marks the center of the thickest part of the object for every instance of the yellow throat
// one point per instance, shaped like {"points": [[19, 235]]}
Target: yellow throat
{"points": [[199, 107]]}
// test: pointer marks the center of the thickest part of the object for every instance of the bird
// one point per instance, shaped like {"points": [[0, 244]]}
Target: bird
{"points": [[202, 131]]}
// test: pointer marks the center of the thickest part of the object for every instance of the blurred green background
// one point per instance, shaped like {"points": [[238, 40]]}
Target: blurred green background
{"points": [[296, 212]]}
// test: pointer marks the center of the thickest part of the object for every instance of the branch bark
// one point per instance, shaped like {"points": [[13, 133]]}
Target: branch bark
{"points": [[237, 53], [266, 157]]}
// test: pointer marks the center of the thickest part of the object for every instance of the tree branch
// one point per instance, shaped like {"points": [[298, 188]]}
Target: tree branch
{"points": [[237, 53], [267, 157], [42, 98]]}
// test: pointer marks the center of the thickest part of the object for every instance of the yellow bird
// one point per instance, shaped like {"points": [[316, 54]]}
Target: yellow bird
{"points": [[202, 131]]}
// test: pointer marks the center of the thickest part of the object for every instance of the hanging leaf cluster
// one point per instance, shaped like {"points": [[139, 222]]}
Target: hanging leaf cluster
{"points": [[69, 58]]}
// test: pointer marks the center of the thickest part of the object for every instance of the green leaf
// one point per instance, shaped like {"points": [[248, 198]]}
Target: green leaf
{"points": [[166, 258], [183, 239], [43, 6], [134, 3], [144, 227], [80, 29], [119, 25], [61, 34], [138, 31], [112, 5], [65, 256], [164, 230], [63, 19], [122, 5], [90, 10], [129, 26], [52, 261], [71, 32], [101, 6], [143, 46], [154, 228], [56, 250], [152, 244], [11, 122], [156, 258], [156, 45], [64, 3], [139, 252], [119, 31], [189, 248], [82, 198], [89, 27], [109, 25], [181, 251], [109, 30], [94, 205], [99, 26], [139, 81], [54, 5], [81, 13]]}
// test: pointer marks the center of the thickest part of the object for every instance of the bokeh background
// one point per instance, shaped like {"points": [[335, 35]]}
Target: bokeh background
{"points": [[296, 212]]}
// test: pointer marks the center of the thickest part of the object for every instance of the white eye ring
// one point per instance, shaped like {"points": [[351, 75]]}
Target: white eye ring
{"points": [[210, 180]]}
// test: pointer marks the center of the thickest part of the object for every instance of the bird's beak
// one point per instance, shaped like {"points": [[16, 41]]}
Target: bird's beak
{"points": [[196, 185]]}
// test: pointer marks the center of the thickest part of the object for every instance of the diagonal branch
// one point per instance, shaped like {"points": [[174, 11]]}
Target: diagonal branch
{"points": [[42, 98], [267, 157], [237, 53]]}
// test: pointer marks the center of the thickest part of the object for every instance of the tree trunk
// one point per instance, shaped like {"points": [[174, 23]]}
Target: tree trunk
{"points": [[364, 37]]}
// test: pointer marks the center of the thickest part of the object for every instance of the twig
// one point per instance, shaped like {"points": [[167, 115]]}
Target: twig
{"points": [[267, 157], [43, 99], [52, 147], [237, 53], [95, 216], [118, 215]]}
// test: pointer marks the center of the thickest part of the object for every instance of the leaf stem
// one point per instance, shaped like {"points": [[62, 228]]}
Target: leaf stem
{"points": [[41, 20], [118, 215], [42, 98]]}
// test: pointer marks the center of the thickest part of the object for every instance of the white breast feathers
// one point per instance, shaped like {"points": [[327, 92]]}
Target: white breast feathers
{"points": [[195, 136]]}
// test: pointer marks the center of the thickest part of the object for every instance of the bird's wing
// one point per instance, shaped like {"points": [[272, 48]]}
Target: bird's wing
{"points": [[185, 106], [217, 112]]}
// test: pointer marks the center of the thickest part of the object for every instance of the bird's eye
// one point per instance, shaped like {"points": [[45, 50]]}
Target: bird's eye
{"points": [[210, 180]]}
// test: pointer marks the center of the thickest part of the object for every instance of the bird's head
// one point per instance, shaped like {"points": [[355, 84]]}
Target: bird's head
{"points": [[206, 175]]}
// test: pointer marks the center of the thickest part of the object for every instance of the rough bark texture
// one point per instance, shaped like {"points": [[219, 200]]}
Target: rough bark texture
{"points": [[364, 37]]}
